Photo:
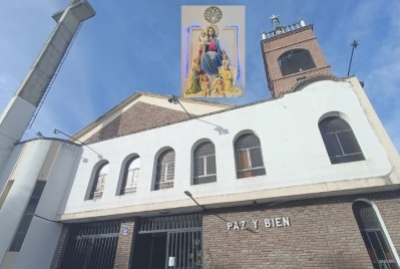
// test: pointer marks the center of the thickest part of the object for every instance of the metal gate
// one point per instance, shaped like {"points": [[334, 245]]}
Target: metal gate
{"points": [[91, 246], [182, 247], [184, 250]]}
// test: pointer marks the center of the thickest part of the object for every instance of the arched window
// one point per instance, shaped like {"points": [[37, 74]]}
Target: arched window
{"points": [[165, 171], [130, 176], [340, 142], [379, 250], [205, 170], [293, 61], [249, 161], [99, 181]]}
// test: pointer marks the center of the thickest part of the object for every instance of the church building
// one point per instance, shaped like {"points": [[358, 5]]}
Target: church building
{"points": [[308, 178]]}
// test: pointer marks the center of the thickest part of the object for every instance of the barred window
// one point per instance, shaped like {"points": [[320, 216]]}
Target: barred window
{"points": [[375, 240], [249, 161], [205, 169], [99, 181], [294, 61], [130, 176], [340, 141], [165, 170]]}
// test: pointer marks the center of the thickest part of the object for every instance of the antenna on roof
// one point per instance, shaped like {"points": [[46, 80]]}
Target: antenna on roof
{"points": [[353, 47]]}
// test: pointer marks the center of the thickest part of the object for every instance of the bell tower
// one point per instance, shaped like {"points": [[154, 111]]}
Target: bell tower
{"points": [[291, 54]]}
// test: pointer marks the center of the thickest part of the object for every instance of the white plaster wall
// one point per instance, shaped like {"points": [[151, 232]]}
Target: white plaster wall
{"points": [[293, 150], [41, 231], [39, 245], [14, 206], [9, 166], [42, 237], [13, 122], [9, 260], [59, 180]]}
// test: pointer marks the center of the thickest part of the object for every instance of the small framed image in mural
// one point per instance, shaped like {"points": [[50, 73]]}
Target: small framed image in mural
{"points": [[213, 51]]}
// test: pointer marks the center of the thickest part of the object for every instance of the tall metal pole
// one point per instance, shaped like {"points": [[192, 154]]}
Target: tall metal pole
{"points": [[354, 46]]}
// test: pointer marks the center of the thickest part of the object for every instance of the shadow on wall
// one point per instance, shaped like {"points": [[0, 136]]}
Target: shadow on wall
{"points": [[221, 130]]}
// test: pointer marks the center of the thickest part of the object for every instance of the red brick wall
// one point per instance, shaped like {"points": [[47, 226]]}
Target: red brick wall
{"points": [[302, 38], [323, 234], [60, 247], [123, 257], [139, 117]]}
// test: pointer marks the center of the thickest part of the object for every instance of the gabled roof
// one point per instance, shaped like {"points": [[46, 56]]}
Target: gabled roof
{"points": [[142, 111]]}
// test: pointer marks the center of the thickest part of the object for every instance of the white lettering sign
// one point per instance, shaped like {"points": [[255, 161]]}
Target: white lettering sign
{"points": [[255, 223], [280, 222]]}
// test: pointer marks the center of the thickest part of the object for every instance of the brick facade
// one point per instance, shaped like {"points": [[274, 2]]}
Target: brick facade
{"points": [[272, 48], [323, 233], [139, 117], [60, 247], [123, 257]]}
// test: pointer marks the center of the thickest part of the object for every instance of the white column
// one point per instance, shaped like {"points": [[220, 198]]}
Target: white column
{"points": [[16, 117]]}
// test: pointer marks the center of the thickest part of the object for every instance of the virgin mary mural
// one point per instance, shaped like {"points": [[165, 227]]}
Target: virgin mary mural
{"points": [[213, 55]]}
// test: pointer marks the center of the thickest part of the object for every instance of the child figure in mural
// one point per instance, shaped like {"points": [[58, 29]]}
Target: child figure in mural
{"points": [[203, 42], [218, 87], [225, 60], [228, 77], [205, 85], [226, 74], [194, 79]]}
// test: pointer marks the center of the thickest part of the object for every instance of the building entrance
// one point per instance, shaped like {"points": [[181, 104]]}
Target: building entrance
{"points": [[169, 242], [91, 246]]}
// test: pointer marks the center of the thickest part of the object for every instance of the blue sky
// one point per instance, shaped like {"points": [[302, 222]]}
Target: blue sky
{"points": [[134, 46]]}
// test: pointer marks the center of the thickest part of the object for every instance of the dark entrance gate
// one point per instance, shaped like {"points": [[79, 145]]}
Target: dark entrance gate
{"points": [[91, 246], [172, 242]]}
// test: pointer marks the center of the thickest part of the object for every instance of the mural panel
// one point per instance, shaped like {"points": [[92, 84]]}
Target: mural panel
{"points": [[213, 46]]}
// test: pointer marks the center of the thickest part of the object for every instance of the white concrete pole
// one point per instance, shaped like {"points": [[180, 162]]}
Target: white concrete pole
{"points": [[16, 117]]}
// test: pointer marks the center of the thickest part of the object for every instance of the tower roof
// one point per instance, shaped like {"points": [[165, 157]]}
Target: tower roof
{"points": [[291, 54]]}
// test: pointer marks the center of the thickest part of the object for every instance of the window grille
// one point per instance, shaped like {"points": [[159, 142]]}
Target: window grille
{"points": [[160, 238], [165, 171], [340, 141], [91, 245], [374, 237], [170, 223], [249, 161], [294, 61], [130, 176], [205, 169], [27, 217], [99, 181]]}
